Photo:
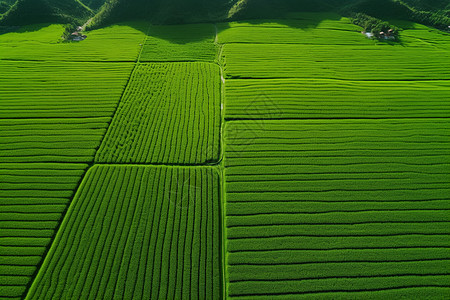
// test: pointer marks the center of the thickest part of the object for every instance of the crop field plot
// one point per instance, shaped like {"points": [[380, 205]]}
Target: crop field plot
{"points": [[378, 62], [325, 98], [337, 208], [51, 140], [170, 113], [151, 233], [30, 89], [326, 32], [426, 37], [193, 42], [43, 42], [33, 198], [57, 112]]}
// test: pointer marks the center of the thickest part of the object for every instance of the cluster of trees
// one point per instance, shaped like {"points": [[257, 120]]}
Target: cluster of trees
{"points": [[369, 12], [374, 25]]}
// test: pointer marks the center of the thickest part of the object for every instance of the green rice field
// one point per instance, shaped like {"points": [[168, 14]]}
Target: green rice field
{"points": [[257, 159]]}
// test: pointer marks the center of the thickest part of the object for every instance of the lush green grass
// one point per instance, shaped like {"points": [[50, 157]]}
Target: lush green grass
{"points": [[137, 233], [325, 98], [33, 198], [31, 89], [382, 62], [318, 207], [426, 37], [170, 113], [62, 114], [193, 42], [43, 42]]}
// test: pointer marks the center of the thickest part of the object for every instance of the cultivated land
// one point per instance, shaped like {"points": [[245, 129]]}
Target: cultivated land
{"points": [[151, 233], [170, 113], [326, 175]]}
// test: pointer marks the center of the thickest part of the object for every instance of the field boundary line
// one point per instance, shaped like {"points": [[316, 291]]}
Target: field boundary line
{"points": [[221, 166]]}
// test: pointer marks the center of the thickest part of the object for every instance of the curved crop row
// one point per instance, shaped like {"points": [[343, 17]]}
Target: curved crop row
{"points": [[170, 113], [137, 233]]}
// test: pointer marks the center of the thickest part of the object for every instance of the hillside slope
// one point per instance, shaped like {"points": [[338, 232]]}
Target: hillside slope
{"points": [[162, 11], [46, 11]]}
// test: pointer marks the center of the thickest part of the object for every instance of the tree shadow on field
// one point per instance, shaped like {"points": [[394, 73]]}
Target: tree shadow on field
{"points": [[23, 29]]}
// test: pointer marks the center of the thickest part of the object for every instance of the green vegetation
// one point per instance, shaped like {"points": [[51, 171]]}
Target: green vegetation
{"points": [[288, 157], [25, 12], [170, 113], [344, 207], [64, 113], [180, 43], [300, 31], [337, 205], [311, 98], [374, 25], [356, 62], [33, 200], [138, 232], [43, 42]]}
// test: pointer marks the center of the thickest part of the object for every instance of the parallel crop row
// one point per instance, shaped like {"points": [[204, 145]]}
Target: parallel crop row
{"points": [[137, 233], [37, 42], [33, 198], [338, 209], [325, 32], [324, 98], [180, 43], [60, 90], [57, 112], [170, 113], [52, 115], [335, 62]]}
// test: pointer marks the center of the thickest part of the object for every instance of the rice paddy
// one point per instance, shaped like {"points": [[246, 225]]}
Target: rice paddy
{"points": [[259, 159]]}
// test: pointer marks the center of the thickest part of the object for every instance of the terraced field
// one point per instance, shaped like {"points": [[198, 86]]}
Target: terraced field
{"points": [[325, 177], [137, 233], [170, 114]]}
